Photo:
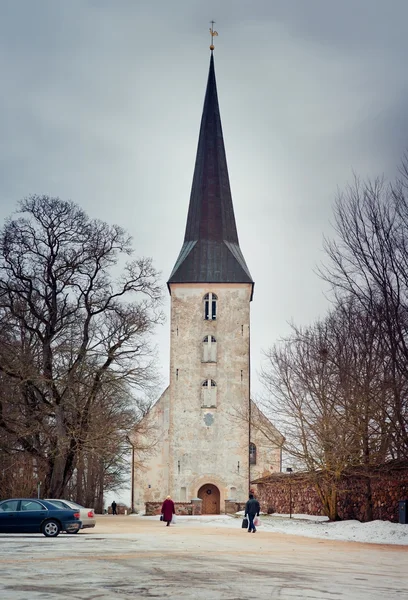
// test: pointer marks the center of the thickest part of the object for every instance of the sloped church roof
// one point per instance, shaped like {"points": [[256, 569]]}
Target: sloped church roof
{"points": [[211, 252]]}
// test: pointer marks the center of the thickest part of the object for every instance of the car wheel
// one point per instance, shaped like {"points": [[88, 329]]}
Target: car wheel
{"points": [[51, 528]]}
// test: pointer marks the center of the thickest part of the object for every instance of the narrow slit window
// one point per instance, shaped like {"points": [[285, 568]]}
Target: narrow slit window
{"points": [[252, 454]]}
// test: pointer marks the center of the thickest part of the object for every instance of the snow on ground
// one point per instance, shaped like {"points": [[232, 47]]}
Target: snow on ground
{"points": [[375, 532]]}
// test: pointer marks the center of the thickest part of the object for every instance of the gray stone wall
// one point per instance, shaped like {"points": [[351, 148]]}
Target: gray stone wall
{"points": [[181, 508], [209, 444], [195, 444], [233, 507], [380, 492]]}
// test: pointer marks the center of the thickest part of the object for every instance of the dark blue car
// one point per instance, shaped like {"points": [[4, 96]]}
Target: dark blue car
{"points": [[29, 515]]}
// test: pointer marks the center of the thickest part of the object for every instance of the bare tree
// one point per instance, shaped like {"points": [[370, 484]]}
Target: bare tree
{"points": [[326, 395], [303, 399], [103, 464], [69, 331], [369, 261]]}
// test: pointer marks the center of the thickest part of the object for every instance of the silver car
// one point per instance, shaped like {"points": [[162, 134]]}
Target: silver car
{"points": [[87, 514]]}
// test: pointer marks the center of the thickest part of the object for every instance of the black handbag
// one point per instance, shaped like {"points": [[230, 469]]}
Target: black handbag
{"points": [[161, 517], [244, 523]]}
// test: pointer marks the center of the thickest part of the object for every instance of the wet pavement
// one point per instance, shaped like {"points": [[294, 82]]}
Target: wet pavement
{"points": [[127, 557]]}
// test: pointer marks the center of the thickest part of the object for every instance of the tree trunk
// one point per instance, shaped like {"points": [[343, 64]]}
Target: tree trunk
{"points": [[327, 492], [99, 500], [368, 501]]}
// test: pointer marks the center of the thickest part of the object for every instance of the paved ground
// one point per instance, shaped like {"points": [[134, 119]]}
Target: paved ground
{"points": [[128, 557]]}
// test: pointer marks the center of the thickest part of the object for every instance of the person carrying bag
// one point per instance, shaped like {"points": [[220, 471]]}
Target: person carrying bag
{"points": [[252, 509], [168, 510]]}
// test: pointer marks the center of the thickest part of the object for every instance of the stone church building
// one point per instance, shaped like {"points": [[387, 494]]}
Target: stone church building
{"points": [[208, 439]]}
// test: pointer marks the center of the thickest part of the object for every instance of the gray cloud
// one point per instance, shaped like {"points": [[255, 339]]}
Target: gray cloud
{"points": [[102, 101]]}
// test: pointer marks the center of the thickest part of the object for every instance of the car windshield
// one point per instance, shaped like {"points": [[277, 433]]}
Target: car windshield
{"points": [[76, 505], [59, 503], [65, 504]]}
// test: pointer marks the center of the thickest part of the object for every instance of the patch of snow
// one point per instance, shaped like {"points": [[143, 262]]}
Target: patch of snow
{"points": [[300, 516], [374, 532]]}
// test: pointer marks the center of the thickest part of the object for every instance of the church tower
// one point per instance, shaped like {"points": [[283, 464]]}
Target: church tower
{"points": [[211, 289], [204, 437]]}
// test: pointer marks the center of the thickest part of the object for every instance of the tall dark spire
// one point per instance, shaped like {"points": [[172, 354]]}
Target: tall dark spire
{"points": [[211, 252]]}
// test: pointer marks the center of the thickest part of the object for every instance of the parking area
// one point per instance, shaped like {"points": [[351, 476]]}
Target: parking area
{"points": [[136, 557]]}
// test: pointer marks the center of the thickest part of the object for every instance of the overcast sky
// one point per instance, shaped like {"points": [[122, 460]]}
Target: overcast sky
{"points": [[101, 103]]}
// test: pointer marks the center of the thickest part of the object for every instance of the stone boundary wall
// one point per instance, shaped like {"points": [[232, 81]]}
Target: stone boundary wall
{"points": [[121, 509], [387, 488], [182, 508], [232, 507]]}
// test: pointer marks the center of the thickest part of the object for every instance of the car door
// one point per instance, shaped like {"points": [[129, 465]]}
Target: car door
{"points": [[32, 514], [9, 522]]}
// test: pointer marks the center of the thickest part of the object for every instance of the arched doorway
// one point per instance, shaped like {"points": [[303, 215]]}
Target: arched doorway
{"points": [[210, 495]]}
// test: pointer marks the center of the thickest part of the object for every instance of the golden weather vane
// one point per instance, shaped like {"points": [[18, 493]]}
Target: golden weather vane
{"points": [[213, 34]]}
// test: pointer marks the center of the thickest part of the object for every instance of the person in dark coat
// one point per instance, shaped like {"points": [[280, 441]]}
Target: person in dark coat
{"points": [[168, 510], [113, 505], [252, 509]]}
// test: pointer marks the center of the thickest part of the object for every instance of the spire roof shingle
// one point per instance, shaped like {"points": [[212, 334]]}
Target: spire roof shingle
{"points": [[211, 252]]}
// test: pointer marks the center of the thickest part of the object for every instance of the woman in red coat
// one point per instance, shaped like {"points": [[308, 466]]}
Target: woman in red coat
{"points": [[168, 510]]}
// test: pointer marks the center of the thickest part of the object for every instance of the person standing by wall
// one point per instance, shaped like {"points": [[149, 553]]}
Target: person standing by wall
{"points": [[252, 509], [168, 510], [113, 506]]}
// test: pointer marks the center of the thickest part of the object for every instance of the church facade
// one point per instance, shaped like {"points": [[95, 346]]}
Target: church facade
{"points": [[206, 438]]}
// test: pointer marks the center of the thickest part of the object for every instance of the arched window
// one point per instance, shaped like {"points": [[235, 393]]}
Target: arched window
{"points": [[252, 454], [209, 393], [210, 307], [209, 349]]}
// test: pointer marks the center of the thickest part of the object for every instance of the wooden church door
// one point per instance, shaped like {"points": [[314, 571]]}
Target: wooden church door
{"points": [[210, 495]]}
